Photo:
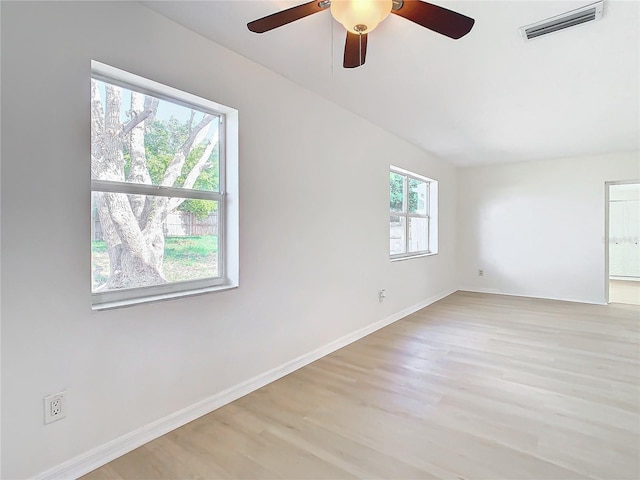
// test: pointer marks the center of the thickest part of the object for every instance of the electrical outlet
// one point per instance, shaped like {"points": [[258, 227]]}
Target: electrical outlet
{"points": [[382, 295], [481, 273], [54, 407]]}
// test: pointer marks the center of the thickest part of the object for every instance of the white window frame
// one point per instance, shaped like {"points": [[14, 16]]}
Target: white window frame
{"points": [[431, 216], [226, 196]]}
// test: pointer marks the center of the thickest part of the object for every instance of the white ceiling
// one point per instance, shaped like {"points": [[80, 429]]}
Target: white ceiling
{"points": [[486, 98]]}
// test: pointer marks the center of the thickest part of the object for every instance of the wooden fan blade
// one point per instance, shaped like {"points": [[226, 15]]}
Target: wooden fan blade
{"points": [[447, 22], [355, 50], [292, 14]]}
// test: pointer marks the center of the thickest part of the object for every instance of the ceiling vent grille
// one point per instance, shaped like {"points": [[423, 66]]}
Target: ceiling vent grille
{"points": [[585, 14]]}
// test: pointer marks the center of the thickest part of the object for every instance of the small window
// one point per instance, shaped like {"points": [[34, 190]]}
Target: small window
{"points": [[413, 202], [161, 225]]}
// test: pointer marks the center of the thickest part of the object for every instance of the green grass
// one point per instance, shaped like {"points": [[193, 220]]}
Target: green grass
{"points": [[178, 248], [190, 247], [98, 247], [185, 258]]}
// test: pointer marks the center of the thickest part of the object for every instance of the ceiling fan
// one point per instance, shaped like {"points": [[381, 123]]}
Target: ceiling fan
{"points": [[359, 17]]}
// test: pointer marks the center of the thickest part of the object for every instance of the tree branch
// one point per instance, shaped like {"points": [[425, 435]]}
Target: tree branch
{"points": [[97, 129], [174, 168], [193, 114], [136, 120], [151, 104], [138, 170], [201, 164], [112, 168], [198, 168]]}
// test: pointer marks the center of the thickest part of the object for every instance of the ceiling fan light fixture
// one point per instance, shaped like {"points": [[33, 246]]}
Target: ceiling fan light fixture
{"points": [[360, 16]]}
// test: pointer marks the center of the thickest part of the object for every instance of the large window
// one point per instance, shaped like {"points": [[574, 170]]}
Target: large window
{"points": [[163, 166], [413, 201]]}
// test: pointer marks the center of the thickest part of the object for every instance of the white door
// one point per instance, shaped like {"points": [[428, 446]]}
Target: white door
{"points": [[624, 231]]}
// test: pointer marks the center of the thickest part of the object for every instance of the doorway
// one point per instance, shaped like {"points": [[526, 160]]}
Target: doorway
{"points": [[623, 222]]}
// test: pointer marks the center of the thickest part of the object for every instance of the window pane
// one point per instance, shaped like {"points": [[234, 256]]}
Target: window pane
{"points": [[418, 234], [157, 136], [397, 243], [417, 196], [396, 192], [131, 248]]}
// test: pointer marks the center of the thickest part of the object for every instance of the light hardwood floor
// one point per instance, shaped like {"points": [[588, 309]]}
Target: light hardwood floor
{"points": [[474, 386]]}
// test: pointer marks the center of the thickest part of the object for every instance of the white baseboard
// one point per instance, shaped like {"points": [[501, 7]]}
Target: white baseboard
{"points": [[89, 461], [495, 291]]}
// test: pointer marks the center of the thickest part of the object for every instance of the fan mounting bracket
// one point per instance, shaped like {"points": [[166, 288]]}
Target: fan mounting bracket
{"points": [[324, 3]]}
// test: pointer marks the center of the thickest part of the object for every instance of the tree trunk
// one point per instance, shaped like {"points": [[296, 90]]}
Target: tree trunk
{"points": [[133, 263], [138, 173]]}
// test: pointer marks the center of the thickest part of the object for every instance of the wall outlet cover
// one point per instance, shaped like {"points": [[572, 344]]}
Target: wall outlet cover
{"points": [[54, 407]]}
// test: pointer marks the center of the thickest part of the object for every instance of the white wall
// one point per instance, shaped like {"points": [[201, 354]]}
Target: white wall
{"points": [[314, 233], [537, 228]]}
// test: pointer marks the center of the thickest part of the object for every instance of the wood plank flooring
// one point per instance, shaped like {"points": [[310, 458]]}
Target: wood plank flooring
{"points": [[474, 386]]}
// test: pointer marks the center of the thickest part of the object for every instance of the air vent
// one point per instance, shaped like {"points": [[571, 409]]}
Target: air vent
{"points": [[585, 14]]}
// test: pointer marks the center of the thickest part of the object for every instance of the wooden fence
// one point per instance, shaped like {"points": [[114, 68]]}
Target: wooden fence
{"points": [[178, 224], [186, 224]]}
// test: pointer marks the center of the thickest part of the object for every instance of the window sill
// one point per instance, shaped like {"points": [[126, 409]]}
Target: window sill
{"points": [[409, 257], [157, 298]]}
